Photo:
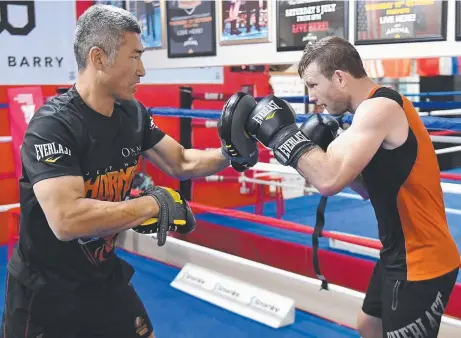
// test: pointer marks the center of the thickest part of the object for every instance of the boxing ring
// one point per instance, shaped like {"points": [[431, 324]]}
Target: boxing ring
{"points": [[241, 242]]}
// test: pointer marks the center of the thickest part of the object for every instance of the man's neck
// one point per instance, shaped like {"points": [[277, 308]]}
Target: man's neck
{"points": [[361, 89], [95, 96]]}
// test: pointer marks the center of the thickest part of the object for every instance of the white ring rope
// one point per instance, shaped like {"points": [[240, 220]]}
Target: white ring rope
{"points": [[446, 139], [448, 150], [5, 139], [294, 186], [313, 190], [7, 207], [446, 112], [450, 188]]}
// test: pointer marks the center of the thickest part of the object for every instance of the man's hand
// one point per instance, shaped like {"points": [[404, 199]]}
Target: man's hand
{"points": [[237, 146], [174, 214], [273, 123], [321, 129]]}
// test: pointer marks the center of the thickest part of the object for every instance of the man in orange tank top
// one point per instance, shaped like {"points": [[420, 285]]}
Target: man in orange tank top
{"points": [[387, 156]]}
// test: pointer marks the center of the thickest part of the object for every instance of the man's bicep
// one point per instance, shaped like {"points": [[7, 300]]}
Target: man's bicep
{"points": [[167, 154], [50, 149], [58, 195], [355, 147]]}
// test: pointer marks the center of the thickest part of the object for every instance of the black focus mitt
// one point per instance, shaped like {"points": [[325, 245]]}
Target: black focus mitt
{"points": [[236, 144], [174, 214]]}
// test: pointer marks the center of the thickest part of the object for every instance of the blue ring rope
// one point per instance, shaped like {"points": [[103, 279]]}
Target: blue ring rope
{"points": [[431, 122]]}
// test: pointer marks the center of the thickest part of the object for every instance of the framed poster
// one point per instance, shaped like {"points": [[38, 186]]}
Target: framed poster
{"points": [[121, 4], [458, 21], [380, 22], [191, 28], [243, 22], [299, 23], [149, 15]]}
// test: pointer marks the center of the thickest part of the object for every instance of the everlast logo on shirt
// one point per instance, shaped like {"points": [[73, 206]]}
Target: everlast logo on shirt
{"points": [[269, 108], [51, 152], [5, 24], [287, 146]]}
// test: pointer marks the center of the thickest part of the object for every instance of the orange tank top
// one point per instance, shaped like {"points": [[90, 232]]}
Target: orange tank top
{"points": [[406, 194]]}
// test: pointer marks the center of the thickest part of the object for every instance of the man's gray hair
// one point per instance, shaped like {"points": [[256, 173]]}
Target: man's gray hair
{"points": [[102, 26]]}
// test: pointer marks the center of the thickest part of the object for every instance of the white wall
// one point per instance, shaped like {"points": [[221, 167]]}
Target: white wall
{"points": [[266, 53]]}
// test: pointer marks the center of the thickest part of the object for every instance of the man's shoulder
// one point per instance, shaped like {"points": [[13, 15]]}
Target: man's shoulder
{"points": [[62, 108], [388, 93]]}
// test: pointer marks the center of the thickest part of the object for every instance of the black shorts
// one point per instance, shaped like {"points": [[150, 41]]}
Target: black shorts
{"points": [[411, 308], [111, 312]]}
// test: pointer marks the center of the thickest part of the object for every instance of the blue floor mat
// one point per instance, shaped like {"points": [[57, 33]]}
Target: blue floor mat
{"points": [[175, 314]]}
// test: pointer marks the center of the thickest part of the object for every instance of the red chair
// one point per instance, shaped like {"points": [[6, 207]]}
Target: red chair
{"points": [[13, 226], [264, 194]]}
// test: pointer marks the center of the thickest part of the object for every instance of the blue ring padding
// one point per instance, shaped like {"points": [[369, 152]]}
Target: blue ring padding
{"points": [[437, 105], [305, 99], [431, 122], [3, 105], [423, 104]]}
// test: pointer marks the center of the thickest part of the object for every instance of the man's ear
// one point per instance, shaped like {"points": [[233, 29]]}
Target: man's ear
{"points": [[98, 58], [340, 77]]}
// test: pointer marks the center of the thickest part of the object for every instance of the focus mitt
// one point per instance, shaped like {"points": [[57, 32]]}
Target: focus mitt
{"points": [[236, 144], [174, 214]]}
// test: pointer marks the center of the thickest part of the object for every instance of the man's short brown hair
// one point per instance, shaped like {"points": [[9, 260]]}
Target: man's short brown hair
{"points": [[330, 54]]}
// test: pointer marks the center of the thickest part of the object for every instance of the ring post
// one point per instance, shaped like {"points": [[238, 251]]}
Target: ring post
{"points": [[185, 135]]}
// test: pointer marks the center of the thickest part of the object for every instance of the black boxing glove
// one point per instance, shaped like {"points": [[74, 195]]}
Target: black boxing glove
{"points": [[321, 129], [174, 214], [273, 123]]}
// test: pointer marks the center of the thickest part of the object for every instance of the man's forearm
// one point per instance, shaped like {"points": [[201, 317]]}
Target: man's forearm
{"points": [[200, 163], [94, 218], [316, 168]]}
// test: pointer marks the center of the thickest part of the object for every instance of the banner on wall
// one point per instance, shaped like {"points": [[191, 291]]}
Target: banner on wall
{"points": [[191, 28], [379, 22], [300, 22], [23, 102], [36, 43]]}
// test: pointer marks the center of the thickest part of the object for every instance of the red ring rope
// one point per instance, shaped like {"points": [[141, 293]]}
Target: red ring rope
{"points": [[448, 176], [282, 224], [444, 133], [5, 176]]}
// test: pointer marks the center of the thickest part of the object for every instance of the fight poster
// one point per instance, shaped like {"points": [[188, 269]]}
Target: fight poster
{"points": [[379, 22], [191, 29], [301, 22], [149, 15], [121, 4], [23, 103], [244, 21]]}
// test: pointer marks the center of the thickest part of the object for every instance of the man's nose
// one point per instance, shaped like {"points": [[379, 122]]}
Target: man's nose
{"points": [[311, 94], [141, 72]]}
